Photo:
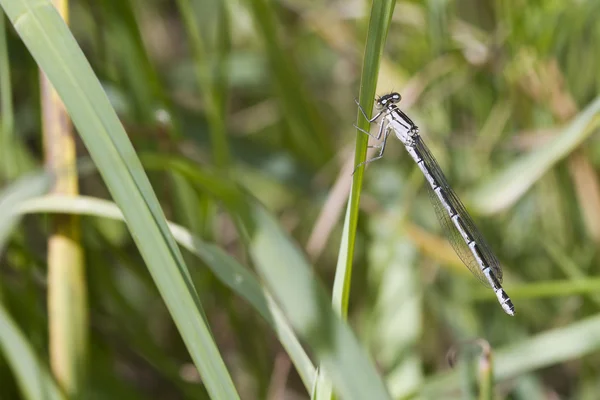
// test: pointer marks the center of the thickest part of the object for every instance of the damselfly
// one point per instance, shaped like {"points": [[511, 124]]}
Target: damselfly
{"points": [[457, 224]]}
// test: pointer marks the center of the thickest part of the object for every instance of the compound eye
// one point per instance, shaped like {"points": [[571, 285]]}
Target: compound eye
{"points": [[396, 96], [383, 102]]}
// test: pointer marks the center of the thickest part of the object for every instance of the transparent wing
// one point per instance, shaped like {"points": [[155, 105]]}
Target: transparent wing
{"points": [[452, 234]]}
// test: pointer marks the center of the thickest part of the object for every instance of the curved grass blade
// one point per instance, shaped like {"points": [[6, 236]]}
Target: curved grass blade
{"points": [[58, 55], [26, 187], [33, 378], [292, 281], [540, 351], [292, 284], [507, 186], [226, 268]]}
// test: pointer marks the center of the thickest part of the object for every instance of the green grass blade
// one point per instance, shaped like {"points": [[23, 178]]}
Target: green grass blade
{"points": [[305, 304], [343, 271], [306, 127], [12, 157], [547, 289], [226, 268], [502, 190], [486, 374], [32, 375], [21, 190], [549, 348], [381, 14], [6, 112], [214, 184], [540, 351], [58, 55], [394, 325], [213, 88], [292, 284], [340, 297], [137, 74], [379, 23]]}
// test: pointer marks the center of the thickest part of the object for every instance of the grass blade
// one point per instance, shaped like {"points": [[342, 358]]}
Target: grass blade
{"points": [[304, 302], [27, 187], [34, 379], [213, 89], [6, 112], [32, 376], [306, 128], [379, 23], [11, 154], [58, 55], [381, 14], [540, 351], [504, 189], [226, 268], [292, 284]]}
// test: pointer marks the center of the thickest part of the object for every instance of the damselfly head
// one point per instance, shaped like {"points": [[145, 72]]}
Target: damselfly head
{"points": [[387, 99]]}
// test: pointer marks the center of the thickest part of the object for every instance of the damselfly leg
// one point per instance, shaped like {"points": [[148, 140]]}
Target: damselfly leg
{"points": [[382, 128]]}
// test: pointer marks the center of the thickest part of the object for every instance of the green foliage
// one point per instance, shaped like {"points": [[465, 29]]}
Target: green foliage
{"points": [[235, 122]]}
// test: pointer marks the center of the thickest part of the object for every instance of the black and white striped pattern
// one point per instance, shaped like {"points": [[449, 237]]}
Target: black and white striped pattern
{"points": [[456, 222]]}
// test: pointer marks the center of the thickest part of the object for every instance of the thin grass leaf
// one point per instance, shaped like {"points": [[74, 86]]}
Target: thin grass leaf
{"points": [[6, 111], [226, 268], [213, 87], [540, 351], [381, 14], [548, 348], [486, 374], [305, 304], [149, 99], [308, 133], [214, 184], [292, 283], [5, 90], [379, 23], [507, 186], [56, 51], [394, 327], [137, 73], [26, 187], [33, 378], [570, 268], [547, 289], [324, 389]]}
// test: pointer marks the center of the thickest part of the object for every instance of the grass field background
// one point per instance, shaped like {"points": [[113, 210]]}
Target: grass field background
{"points": [[252, 264]]}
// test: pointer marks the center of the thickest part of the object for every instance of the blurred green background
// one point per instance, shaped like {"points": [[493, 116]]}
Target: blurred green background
{"points": [[262, 93]]}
